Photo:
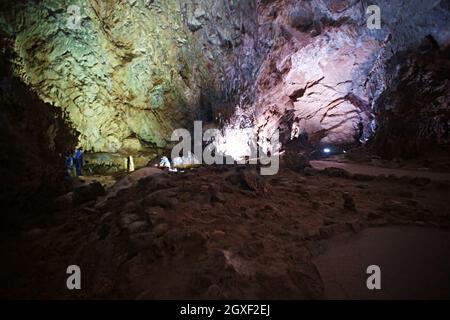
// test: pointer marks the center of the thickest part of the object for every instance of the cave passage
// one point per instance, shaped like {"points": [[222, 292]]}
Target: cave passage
{"points": [[215, 149]]}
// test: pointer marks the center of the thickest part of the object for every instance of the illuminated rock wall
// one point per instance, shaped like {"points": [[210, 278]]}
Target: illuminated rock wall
{"points": [[326, 70], [137, 69], [134, 68]]}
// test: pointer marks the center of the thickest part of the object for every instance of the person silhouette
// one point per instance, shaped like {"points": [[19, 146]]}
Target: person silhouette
{"points": [[79, 161], [69, 165]]}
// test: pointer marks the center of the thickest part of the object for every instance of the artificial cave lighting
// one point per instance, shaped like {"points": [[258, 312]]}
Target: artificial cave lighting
{"points": [[214, 150]]}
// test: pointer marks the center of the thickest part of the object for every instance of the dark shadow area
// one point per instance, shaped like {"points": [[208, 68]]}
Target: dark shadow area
{"points": [[34, 139]]}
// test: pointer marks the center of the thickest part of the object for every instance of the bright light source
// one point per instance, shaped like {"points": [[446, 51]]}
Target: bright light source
{"points": [[327, 150], [234, 142]]}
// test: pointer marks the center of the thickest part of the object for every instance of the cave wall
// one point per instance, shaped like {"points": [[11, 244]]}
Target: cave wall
{"points": [[34, 138], [326, 70], [136, 68], [413, 112], [323, 70]]}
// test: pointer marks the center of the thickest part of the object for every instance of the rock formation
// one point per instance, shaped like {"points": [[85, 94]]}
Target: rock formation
{"points": [[127, 73], [414, 112], [118, 76], [34, 138], [326, 70], [122, 69]]}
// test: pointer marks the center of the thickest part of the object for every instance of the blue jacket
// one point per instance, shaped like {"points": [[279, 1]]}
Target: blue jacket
{"points": [[78, 154], [69, 162]]}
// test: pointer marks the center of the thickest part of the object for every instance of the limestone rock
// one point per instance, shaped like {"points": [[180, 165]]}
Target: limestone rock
{"points": [[128, 68], [131, 145], [137, 69], [325, 67], [413, 112], [301, 17]]}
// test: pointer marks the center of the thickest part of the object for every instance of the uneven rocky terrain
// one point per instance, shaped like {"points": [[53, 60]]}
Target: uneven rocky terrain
{"points": [[117, 77], [212, 232]]}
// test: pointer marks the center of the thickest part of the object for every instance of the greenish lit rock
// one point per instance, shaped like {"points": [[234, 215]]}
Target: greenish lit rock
{"points": [[101, 163], [117, 68], [134, 68], [132, 145]]}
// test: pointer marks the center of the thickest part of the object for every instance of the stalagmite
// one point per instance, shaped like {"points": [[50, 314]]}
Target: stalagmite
{"points": [[130, 164]]}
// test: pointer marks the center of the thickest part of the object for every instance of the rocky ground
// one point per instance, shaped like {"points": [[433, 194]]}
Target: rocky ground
{"points": [[212, 232], [131, 72]]}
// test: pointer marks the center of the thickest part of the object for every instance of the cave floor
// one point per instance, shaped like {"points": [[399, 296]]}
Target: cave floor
{"points": [[107, 180], [413, 261], [218, 232], [372, 170]]}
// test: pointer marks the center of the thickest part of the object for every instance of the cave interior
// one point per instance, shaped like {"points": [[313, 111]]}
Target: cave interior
{"points": [[225, 149]]}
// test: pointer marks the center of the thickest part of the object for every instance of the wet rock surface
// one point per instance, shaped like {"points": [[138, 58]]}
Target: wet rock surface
{"points": [[217, 232]]}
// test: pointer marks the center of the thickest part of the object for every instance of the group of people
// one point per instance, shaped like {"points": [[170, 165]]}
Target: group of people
{"points": [[74, 163]]}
